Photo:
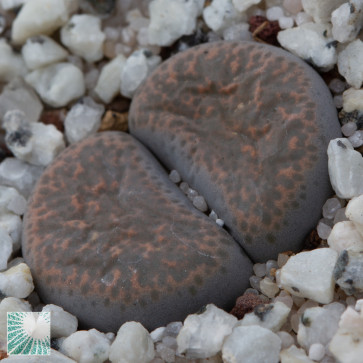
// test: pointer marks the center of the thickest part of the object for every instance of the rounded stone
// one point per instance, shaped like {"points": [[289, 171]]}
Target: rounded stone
{"points": [[247, 125], [110, 238]]}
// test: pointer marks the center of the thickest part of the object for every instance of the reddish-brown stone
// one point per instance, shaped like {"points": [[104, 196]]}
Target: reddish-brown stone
{"points": [[246, 304], [264, 30]]}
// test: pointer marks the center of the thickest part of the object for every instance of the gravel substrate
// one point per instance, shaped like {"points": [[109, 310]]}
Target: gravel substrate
{"points": [[69, 69]]}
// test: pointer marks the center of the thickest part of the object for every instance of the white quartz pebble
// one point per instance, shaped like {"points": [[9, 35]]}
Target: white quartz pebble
{"points": [[11, 4], [269, 316], [170, 19], [316, 351], [353, 99], [243, 5], [293, 354], [40, 17], [11, 64], [354, 212], [348, 271], [330, 207], [319, 324], [109, 81], [338, 101], [350, 65], [7, 305], [220, 222], [347, 344], [132, 344], [12, 224], [259, 269], [251, 344], [63, 323], [174, 177], [286, 22], [345, 168], [340, 216], [310, 275], [136, 20], [344, 236], [202, 334], [221, 14], [349, 128], [17, 95], [11, 201], [16, 281], [83, 119], [86, 346], [240, 31], [82, 35], [20, 175], [41, 50], [302, 18], [321, 10], [6, 248], [184, 187], [285, 298], [200, 203], [268, 287], [286, 339], [157, 334], [323, 228], [310, 41], [138, 66], [337, 86], [33, 142], [347, 21], [90, 78], [57, 84], [356, 139], [292, 6], [359, 305], [274, 13]]}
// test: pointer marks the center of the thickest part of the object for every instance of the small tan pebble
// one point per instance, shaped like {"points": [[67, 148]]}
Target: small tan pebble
{"points": [[268, 287], [113, 120], [109, 48], [298, 301], [282, 259]]}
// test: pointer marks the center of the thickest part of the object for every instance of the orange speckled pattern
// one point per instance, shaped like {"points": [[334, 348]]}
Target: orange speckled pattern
{"points": [[110, 238], [247, 125]]}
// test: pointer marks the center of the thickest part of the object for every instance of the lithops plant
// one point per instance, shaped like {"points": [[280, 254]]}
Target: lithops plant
{"points": [[110, 238], [247, 125]]}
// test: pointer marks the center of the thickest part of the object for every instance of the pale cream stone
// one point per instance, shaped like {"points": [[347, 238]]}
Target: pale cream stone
{"points": [[109, 81], [353, 100], [344, 236], [310, 275], [40, 17], [132, 344], [17, 281]]}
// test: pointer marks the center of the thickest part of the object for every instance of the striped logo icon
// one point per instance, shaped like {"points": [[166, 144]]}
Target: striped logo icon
{"points": [[28, 333]]}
